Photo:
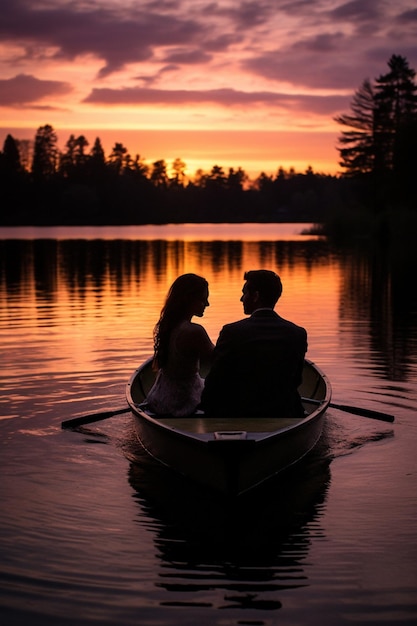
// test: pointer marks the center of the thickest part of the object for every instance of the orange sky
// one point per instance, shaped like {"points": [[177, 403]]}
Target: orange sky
{"points": [[230, 83]]}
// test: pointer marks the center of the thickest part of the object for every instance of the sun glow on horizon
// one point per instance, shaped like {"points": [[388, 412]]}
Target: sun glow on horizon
{"points": [[255, 152]]}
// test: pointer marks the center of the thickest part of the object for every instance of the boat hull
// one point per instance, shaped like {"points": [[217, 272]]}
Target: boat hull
{"points": [[232, 455]]}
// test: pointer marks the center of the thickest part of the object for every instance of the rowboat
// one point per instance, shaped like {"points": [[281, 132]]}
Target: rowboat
{"points": [[229, 455]]}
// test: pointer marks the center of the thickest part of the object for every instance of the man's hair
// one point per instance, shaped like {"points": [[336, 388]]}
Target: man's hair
{"points": [[267, 283]]}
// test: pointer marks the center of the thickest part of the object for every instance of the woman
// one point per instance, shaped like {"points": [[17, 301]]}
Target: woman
{"points": [[179, 346]]}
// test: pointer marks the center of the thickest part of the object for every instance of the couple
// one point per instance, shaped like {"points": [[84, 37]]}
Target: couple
{"points": [[256, 364]]}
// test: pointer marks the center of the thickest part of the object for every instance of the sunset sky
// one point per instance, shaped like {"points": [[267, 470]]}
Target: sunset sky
{"points": [[254, 84]]}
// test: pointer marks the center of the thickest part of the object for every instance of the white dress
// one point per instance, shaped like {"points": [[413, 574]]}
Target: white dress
{"points": [[178, 385]]}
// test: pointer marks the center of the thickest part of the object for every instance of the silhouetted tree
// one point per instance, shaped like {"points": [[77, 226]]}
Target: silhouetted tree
{"points": [[97, 153], [13, 181], [67, 158], [45, 155], [236, 179], [81, 144], [216, 180], [117, 158], [159, 176], [10, 158], [379, 112], [263, 182], [96, 163], [90, 189], [358, 153], [178, 168], [26, 152], [396, 107]]}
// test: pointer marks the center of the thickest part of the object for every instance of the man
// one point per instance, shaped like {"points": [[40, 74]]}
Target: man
{"points": [[258, 361]]}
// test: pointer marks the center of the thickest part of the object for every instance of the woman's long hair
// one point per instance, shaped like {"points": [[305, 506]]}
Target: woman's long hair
{"points": [[183, 292]]}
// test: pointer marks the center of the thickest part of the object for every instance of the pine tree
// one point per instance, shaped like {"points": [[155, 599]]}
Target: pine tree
{"points": [[396, 109], [45, 156], [67, 160], [380, 113], [97, 161], [357, 151], [97, 152], [10, 158], [118, 157]]}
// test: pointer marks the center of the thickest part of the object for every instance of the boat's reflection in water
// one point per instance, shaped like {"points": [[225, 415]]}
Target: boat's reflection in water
{"points": [[236, 553]]}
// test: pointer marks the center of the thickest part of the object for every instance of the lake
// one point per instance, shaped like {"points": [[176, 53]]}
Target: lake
{"points": [[87, 536]]}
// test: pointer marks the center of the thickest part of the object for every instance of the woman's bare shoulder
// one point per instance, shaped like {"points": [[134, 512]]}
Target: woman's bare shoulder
{"points": [[194, 333], [197, 327]]}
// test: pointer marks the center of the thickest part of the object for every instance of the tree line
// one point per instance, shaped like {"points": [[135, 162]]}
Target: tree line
{"points": [[378, 145], [42, 185]]}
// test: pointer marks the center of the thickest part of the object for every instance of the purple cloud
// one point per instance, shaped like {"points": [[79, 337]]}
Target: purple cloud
{"points": [[187, 57], [408, 16], [358, 11], [115, 34], [316, 63], [222, 97], [309, 45], [25, 90]]}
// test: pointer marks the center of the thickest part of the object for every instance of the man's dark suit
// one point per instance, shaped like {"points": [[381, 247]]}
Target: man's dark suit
{"points": [[257, 367]]}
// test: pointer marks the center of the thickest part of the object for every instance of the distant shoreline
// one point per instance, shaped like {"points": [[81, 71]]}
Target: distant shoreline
{"points": [[249, 231]]}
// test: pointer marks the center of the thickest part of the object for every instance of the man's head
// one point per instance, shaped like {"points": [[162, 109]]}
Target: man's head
{"points": [[262, 289]]}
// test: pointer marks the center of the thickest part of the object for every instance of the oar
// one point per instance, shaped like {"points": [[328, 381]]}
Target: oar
{"points": [[89, 419], [355, 410]]}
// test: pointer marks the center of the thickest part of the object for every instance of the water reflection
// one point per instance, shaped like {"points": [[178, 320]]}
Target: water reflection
{"points": [[87, 307], [49, 265], [250, 549], [378, 305], [76, 317]]}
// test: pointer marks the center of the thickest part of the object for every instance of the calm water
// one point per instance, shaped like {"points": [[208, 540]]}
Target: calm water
{"points": [[87, 537]]}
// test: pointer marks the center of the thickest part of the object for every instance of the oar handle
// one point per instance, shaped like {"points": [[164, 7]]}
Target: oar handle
{"points": [[377, 415], [89, 419], [356, 410]]}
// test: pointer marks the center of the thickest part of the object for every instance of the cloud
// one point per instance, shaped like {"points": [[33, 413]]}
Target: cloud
{"points": [[118, 35], [187, 57], [340, 55], [136, 96], [222, 42], [250, 13], [203, 45], [316, 63], [408, 16], [358, 11], [337, 47], [25, 90]]}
